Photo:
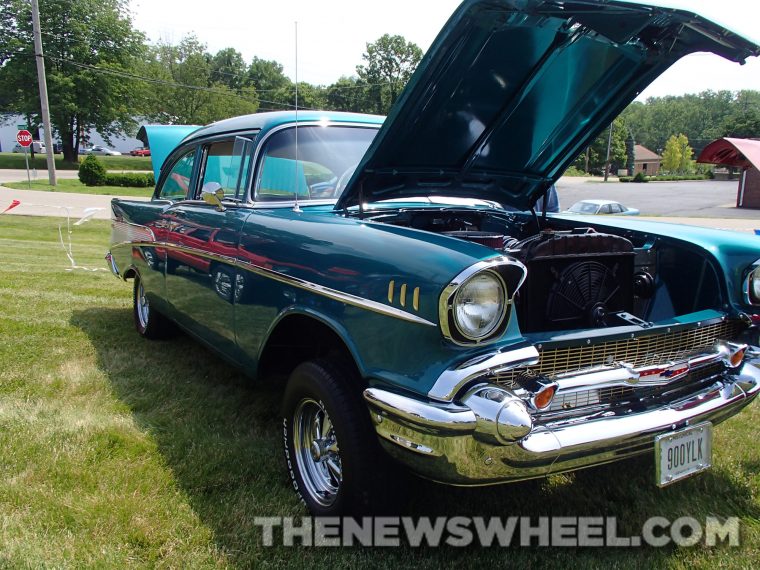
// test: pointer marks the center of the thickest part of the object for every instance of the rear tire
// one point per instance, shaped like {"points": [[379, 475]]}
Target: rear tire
{"points": [[149, 323], [332, 454]]}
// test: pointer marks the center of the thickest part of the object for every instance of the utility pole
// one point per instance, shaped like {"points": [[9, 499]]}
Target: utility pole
{"points": [[607, 160], [43, 92]]}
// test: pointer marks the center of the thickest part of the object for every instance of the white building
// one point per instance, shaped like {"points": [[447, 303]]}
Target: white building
{"points": [[9, 127]]}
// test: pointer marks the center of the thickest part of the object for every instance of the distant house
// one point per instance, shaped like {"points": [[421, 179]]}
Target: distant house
{"points": [[741, 153], [645, 161]]}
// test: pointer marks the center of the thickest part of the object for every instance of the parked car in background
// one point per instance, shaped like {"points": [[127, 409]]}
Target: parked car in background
{"points": [[140, 151], [396, 277], [36, 146], [102, 151], [601, 207]]}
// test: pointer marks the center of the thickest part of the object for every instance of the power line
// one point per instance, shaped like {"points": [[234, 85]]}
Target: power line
{"points": [[245, 76], [175, 84]]}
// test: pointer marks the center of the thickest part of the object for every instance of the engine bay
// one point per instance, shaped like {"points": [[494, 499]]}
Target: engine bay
{"points": [[580, 276]]}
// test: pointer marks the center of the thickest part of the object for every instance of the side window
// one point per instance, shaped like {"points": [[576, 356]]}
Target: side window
{"points": [[615, 208], [227, 163], [605, 209], [176, 184]]}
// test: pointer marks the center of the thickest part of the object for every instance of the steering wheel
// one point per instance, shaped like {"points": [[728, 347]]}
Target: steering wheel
{"points": [[343, 179]]}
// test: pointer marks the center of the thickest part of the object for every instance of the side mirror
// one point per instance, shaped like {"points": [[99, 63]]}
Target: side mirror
{"points": [[212, 194]]}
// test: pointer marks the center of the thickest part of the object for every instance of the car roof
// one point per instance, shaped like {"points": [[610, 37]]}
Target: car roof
{"points": [[599, 202], [268, 121]]}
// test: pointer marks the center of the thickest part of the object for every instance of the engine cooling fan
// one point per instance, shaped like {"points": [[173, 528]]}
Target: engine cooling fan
{"points": [[583, 295]]}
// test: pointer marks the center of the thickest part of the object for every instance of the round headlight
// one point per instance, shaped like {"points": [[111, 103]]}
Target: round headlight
{"points": [[754, 286], [479, 305]]}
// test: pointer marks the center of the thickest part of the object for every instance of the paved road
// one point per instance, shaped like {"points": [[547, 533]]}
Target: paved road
{"points": [[11, 175]]}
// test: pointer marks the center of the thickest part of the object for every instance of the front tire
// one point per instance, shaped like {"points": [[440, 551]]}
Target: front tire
{"points": [[332, 454], [149, 323]]}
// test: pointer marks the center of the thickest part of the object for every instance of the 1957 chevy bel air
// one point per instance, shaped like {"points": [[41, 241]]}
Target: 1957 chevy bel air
{"points": [[423, 311]]}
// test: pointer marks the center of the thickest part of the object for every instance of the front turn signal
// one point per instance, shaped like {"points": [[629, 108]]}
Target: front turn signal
{"points": [[543, 398]]}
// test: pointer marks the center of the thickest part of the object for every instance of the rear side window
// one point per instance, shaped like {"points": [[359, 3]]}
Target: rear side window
{"points": [[176, 184], [227, 164]]}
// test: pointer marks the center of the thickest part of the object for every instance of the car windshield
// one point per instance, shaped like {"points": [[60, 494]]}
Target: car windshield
{"points": [[319, 169], [583, 208]]}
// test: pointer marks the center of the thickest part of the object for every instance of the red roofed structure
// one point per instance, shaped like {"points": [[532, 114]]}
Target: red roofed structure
{"points": [[741, 153]]}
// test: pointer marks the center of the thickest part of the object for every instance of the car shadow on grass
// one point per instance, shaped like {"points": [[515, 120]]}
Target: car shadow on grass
{"points": [[219, 434]]}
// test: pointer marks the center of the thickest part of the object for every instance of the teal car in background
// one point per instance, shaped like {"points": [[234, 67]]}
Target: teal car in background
{"points": [[421, 312]]}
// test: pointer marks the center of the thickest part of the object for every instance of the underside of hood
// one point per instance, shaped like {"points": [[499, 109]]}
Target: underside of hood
{"points": [[511, 91]]}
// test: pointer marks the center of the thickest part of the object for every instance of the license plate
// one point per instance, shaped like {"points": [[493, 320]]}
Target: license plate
{"points": [[683, 453]]}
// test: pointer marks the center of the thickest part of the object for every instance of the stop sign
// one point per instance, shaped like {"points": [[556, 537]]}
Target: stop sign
{"points": [[24, 138]]}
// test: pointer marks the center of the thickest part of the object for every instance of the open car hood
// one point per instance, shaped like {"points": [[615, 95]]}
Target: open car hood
{"points": [[511, 91]]}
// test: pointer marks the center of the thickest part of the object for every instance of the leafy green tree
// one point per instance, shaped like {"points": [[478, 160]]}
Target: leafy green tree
{"points": [[90, 51], [671, 156], [309, 97], [347, 94], [228, 68], [744, 121], [390, 62], [266, 77], [702, 117], [686, 163], [184, 90], [743, 126], [597, 151]]}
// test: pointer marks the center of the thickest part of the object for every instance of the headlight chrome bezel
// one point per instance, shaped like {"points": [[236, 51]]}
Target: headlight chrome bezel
{"points": [[752, 285], [510, 274], [502, 313]]}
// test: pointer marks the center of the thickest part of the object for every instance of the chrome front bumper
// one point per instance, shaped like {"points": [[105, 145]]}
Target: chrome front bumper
{"points": [[458, 444]]}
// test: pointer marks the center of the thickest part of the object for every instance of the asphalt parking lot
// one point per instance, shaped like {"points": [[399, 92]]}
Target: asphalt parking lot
{"points": [[686, 199]]}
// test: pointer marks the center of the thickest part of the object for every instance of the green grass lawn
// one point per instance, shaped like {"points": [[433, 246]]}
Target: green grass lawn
{"points": [[124, 162], [75, 186], [120, 452]]}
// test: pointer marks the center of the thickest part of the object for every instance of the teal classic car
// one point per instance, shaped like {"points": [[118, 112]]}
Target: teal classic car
{"points": [[395, 273]]}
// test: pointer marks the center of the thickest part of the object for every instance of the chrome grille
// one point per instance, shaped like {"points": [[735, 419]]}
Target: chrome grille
{"points": [[654, 349], [618, 394]]}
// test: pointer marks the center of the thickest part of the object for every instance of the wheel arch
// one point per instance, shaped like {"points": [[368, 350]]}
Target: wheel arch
{"points": [[298, 335]]}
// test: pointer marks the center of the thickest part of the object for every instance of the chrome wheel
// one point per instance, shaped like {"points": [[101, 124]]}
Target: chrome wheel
{"points": [[142, 306], [316, 452]]}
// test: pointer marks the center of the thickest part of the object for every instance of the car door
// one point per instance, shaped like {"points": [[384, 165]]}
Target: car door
{"points": [[201, 272]]}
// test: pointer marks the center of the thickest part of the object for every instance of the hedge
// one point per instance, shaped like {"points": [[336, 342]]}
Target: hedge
{"points": [[130, 179]]}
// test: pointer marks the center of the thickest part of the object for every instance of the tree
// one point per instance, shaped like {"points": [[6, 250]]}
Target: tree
{"points": [[90, 51], [348, 94], [228, 68], [744, 121], [597, 151], [390, 62], [686, 164], [743, 126], [184, 90], [266, 77], [671, 156], [309, 97], [701, 117]]}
